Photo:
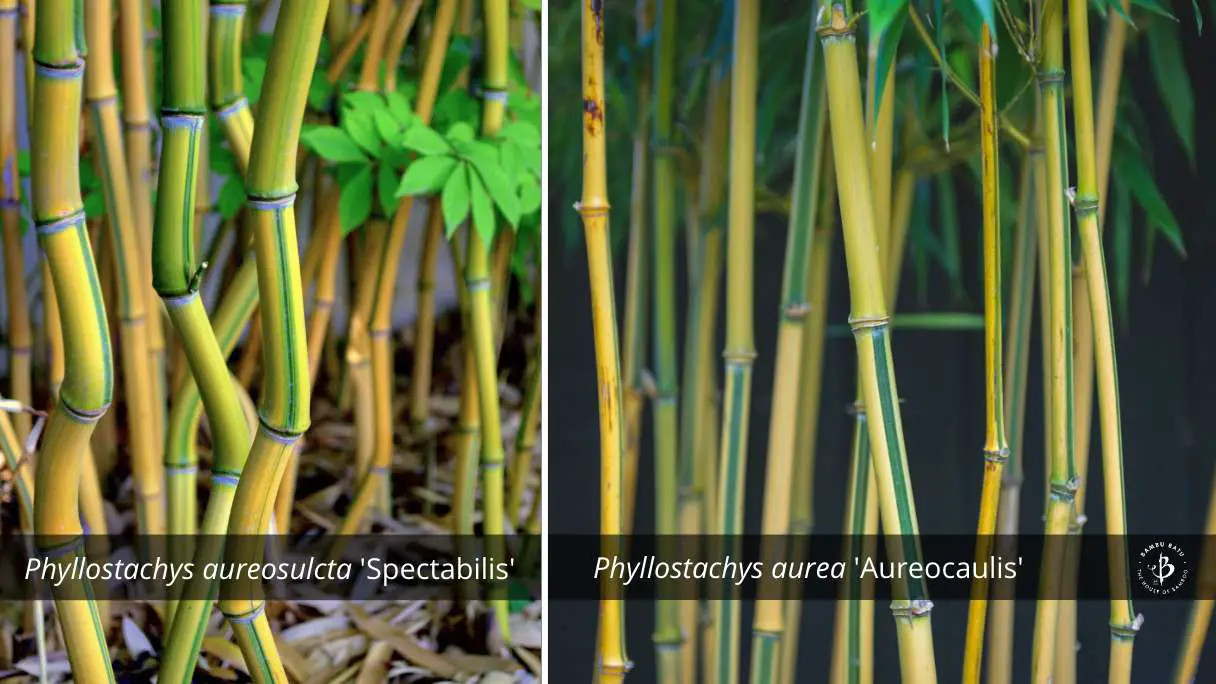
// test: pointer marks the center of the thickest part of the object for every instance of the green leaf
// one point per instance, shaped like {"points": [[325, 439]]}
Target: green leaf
{"points": [[455, 201], [1198, 16], [460, 131], [94, 205], [399, 107], [1169, 71], [882, 50], [320, 91], [1120, 212], [521, 133], [426, 176], [422, 139], [500, 189], [1131, 170], [362, 129], [483, 209], [387, 127], [1154, 7], [355, 203], [362, 102], [253, 70], [232, 197], [332, 144], [529, 196], [939, 23], [386, 189]]}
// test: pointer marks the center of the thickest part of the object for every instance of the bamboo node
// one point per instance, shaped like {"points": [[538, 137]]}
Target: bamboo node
{"points": [[739, 357], [286, 438], [1051, 77], [228, 10], [229, 110], [911, 609], [592, 209], [272, 203], [83, 416], [1126, 631], [492, 94], [857, 409], [59, 72], [73, 220], [179, 469], [1000, 455], [191, 121], [247, 617], [1065, 491], [835, 26], [177, 301], [9, 12], [1085, 205], [796, 311], [477, 284], [857, 323]]}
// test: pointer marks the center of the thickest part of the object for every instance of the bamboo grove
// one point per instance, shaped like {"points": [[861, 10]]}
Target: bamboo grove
{"points": [[221, 193], [869, 121]]}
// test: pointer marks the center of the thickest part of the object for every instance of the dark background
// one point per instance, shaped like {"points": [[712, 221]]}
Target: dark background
{"points": [[1167, 378]]}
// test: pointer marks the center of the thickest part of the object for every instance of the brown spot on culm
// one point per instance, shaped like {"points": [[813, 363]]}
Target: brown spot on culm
{"points": [[597, 10], [593, 115]]}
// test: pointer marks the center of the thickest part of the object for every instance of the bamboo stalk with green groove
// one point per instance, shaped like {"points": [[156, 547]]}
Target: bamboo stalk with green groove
{"points": [[1017, 353], [468, 421], [1083, 324], [740, 350], [690, 503], [101, 97], [284, 412], [375, 483], [1124, 623], [137, 138], [770, 627], [633, 347], [996, 446], [810, 390], [667, 638], [525, 439], [870, 322], [698, 427], [177, 280], [88, 384], [611, 662], [476, 274], [20, 334], [1062, 471]]}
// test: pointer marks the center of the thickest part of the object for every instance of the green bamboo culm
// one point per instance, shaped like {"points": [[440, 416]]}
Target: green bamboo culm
{"points": [[1062, 469], [177, 279], [665, 404], [283, 411], [740, 351], [477, 279], [870, 321], [88, 383], [770, 627], [1124, 623]]}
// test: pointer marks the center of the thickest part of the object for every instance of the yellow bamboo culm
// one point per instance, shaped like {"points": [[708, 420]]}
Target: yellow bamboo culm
{"points": [[611, 662], [88, 383]]}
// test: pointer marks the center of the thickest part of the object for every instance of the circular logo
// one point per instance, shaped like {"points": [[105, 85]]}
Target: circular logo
{"points": [[1162, 568]]}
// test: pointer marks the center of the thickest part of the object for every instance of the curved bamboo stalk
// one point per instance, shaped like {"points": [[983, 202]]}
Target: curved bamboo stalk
{"points": [[1201, 611], [101, 95], [380, 16], [88, 383], [871, 324], [996, 446], [20, 334], [137, 138], [665, 404], [633, 347], [770, 627], [1124, 623], [611, 662], [1063, 473], [284, 411], [375, 484], [177, 280]]}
